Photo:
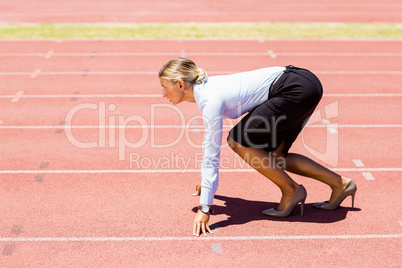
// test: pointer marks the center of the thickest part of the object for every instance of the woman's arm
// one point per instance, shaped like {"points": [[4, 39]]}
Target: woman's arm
{"points": [[212, 117]]}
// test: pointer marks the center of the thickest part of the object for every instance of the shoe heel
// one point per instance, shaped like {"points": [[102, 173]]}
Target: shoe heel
{"points": [[302, 207], [350, 189], [300, 196]]}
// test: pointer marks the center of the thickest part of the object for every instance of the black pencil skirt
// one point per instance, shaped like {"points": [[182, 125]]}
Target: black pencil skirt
{"points": [[292, 99]]}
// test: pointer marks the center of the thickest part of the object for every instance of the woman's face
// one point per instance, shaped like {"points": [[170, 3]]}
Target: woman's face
{"points": [[173, 91]]}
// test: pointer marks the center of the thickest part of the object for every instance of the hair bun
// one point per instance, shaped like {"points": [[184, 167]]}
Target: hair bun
{"points": [[202, 76]]}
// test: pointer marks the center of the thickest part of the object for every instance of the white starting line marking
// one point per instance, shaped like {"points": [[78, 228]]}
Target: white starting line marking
{"points": [[358, 163], [17, 97], [192, 238], [35, 73], [332, 130], [216, 248], [100, 171], [49, 54], [271, 54], [368, 176]]}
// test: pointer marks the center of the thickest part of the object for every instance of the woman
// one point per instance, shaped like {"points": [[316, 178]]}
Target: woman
{"points": [[279, 101]]}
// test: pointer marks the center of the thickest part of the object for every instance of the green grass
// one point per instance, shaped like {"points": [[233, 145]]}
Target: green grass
{"points": [[280, 30]]}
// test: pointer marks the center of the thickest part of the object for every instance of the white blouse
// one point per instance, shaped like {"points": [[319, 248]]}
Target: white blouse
{"points": [[226, 96]]}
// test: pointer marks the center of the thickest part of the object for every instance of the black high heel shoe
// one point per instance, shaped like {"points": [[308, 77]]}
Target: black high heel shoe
{"points": [[350, 189], [300, 196]]}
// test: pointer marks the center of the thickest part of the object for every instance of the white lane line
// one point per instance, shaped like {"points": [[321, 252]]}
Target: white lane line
{"points": [[368, 176], [212, 72], [181, 53], [87, 96], [358, 163], [84, 72], [192, 238], [160, 96], [364, 95], [358, 72], [200, 127], [145, 171], [195, 127]]}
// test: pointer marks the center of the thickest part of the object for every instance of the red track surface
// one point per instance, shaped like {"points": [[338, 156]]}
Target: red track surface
{"points": [[62, 205], [201, 11]]}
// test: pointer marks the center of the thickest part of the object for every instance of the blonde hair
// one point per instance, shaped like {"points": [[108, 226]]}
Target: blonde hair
{"points": [[183, 69]]}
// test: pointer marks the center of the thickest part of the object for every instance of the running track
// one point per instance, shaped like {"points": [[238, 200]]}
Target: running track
{"points": [[56, 11], [62, 205]]}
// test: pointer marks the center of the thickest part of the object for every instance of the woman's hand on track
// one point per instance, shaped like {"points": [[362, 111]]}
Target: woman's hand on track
{"points": [[197, 189], [201, 223]]}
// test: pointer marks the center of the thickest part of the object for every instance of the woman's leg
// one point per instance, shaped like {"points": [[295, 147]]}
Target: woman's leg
{"points": [[302, 165], [295, 163], [265, 163]]}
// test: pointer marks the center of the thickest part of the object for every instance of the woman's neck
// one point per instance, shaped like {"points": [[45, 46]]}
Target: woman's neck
{"points": [[189, 93]]}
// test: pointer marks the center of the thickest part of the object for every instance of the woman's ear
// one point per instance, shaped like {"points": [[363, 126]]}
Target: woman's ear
{"points": [[181, 84]]}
